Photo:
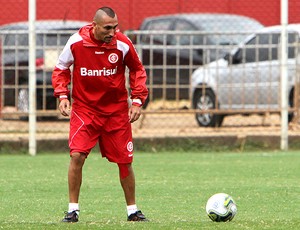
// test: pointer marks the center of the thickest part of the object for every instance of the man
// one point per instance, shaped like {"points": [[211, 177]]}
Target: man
{"points": [[100, 112]]}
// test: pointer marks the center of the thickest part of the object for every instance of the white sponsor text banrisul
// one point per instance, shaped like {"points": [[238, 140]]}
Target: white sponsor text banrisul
{"points": [[97, 72]]}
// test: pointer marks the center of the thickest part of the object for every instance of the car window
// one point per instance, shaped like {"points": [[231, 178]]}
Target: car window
{"points": [[56, 39], [262, 47], [293, 41], [16, 40], [182, 25], [41, 39], [161, 24]]}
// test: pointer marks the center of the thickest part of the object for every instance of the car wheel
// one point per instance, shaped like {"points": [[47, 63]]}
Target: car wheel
{"points": [[206, 100], [23, 100]]}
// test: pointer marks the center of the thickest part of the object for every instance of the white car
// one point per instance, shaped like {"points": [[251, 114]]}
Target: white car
{"points": [[248, 78]]}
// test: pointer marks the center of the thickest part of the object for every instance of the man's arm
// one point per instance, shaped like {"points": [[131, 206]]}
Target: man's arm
{"points": [[137, 76], [61, 78]]}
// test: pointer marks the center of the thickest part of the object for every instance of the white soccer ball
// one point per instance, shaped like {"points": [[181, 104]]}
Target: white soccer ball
{"points": [[221, 207]]}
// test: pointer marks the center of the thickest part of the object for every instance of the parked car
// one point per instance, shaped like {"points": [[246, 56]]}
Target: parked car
{"points": [[248, 78], [51, 36], [197, 39]]}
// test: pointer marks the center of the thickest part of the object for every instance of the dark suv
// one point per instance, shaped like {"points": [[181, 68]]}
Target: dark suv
{"points": [[51, 36], [172, 46]]}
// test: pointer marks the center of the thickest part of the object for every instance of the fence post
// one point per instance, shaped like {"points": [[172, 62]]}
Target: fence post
{"points": [[32, 77], [284, 76]]}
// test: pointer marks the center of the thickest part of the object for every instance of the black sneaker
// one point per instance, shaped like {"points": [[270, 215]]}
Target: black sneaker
{"points": [[71, 217], [137, 216]]}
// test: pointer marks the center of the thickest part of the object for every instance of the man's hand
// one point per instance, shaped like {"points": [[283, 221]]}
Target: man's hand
{"points": [[134, 113], [64, 107]]}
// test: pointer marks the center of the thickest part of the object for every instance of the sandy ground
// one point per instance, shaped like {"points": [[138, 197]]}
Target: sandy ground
{"points": [[158, 125]]}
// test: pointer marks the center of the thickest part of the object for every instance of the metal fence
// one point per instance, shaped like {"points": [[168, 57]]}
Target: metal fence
{"points": [[249, 87], [195, 87], [15, 73], [244, 79], [51, 36]]}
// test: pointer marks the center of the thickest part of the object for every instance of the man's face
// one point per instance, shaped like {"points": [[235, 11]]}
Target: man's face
{"points": [[105, 29]]}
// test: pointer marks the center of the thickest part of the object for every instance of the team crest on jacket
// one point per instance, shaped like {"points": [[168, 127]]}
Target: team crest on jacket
{"points": [[113, 58]]}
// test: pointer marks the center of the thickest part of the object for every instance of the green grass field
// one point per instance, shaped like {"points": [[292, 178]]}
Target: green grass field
{"points": [[172, 190]]}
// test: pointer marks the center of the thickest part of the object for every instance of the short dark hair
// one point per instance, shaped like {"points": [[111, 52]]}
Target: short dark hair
{"points": [[109, 11]]}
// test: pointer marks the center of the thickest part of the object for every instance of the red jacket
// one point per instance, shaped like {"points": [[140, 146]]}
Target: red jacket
{"points": [[98, 81]]}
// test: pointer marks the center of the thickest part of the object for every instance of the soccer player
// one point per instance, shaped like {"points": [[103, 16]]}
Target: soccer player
{"points": [[100, 113]]}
